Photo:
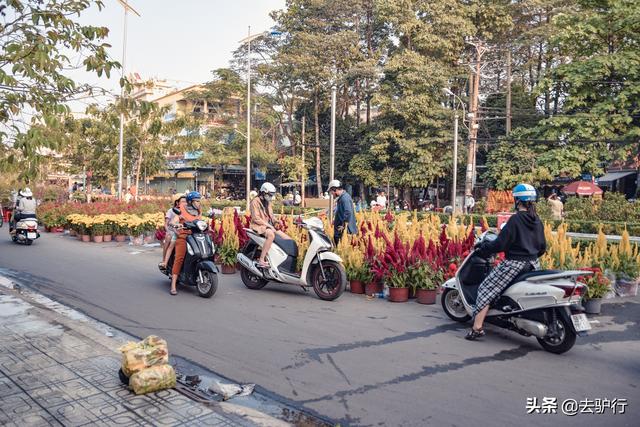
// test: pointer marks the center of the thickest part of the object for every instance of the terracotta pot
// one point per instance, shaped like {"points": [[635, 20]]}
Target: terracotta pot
{"points": [[398, 294], [593, 306], [85, 238], [228, 269], [97, 239], [150, 238], [107, 238], [412, 292], [356, 287], [372, 288], [426, 296], [58, 230], [47, 229], [120, 238]]}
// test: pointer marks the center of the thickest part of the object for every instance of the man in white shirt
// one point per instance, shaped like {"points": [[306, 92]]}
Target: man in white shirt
{"points": [[381, 200], [469, 204]]}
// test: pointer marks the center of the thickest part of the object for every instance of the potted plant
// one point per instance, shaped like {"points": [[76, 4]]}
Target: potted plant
{"points": [[228, 254], [597, 287], [426, 281], [627, 276], [359, 277], [108, 230], [97, 232], [398, 289]]}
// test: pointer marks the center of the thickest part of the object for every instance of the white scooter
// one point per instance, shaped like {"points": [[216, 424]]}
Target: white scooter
{"points": [[322, 269], [541, 303], [25, 231]]}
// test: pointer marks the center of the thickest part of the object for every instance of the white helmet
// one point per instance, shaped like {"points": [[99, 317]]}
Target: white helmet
{"points": [[268, 188], [27, 192], [334, 184]]}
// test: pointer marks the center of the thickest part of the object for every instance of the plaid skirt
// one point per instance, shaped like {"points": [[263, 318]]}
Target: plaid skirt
{"points": [[498, 279]]}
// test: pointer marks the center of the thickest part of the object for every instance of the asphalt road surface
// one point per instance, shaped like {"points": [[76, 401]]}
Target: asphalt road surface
{"points": [[355, 361]]}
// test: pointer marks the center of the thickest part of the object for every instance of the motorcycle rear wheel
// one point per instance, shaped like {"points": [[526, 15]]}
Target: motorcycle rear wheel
{"points": [[250, 280], [209, 287], [563, 342], [334, 282]]}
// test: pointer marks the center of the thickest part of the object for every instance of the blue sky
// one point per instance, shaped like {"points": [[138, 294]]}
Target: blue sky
{"points": [[178, 39]]}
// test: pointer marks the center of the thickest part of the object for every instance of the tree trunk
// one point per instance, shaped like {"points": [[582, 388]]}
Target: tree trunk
{"points": [[138, 167], [316, 116], [358, 102]]}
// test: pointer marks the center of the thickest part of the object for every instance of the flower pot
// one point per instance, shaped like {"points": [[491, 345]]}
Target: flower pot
{"points": [[97, 239], [137, 240], [121, 238], [58, 230], [149, 238], [398, 294], [107, 238], [47, 229], [593, 306], [372, 288], [85, 238], [356, 287], [228, 269], [426, 296]]}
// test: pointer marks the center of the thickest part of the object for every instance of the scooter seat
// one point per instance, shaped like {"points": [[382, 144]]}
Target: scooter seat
{"points": [[289, 246]]}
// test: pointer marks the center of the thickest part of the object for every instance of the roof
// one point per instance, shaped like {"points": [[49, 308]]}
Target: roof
{"points": [[614, 176]]}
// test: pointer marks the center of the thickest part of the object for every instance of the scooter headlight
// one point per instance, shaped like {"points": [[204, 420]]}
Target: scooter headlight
{"points": [[202, 225]]}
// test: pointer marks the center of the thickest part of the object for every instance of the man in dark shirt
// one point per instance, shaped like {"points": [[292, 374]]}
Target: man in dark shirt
{"points": [[345, 217]]}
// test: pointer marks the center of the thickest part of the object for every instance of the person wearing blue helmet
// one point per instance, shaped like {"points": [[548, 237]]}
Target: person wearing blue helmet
{"points": [[190, 212], [522, 241]]}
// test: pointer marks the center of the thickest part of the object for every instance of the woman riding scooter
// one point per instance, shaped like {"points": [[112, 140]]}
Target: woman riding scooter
{"points": [[262, 220], [523, 242], [188, 213]]}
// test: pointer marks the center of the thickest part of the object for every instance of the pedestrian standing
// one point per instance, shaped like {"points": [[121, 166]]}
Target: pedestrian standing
{"points": [[557, 207], [469, 204], [345, 217], [382, 200]]}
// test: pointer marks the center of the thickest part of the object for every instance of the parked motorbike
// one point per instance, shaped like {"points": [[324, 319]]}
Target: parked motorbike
{"points": [[198, 268], [25, 231], [542, 303], [322, 269]]}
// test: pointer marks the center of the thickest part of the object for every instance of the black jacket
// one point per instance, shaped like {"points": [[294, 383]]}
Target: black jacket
{"points": [[521, 239]]}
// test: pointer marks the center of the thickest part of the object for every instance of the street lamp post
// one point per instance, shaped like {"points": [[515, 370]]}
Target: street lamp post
{"points": [[454, 190], [250, 37], [127, 8]]}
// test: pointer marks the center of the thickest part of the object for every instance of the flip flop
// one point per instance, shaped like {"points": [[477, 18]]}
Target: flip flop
{"points": [[173, 293]]}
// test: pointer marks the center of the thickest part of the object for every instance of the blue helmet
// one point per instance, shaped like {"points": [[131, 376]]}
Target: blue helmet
{"points": [[192, 196], [524, 193]]}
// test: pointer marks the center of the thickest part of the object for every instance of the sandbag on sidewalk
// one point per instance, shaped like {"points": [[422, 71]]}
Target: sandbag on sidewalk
{"points": [[153, 379], [151, 351]]}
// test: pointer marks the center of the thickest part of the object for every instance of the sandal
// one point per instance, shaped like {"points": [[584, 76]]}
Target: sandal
{"points": [[173, 292], [162, 265], [473, 334]]}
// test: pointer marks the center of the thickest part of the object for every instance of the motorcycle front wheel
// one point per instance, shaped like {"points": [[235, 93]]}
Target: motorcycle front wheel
{"points": [[332, 284], [560, 338], [209, 286], [453, 306]]}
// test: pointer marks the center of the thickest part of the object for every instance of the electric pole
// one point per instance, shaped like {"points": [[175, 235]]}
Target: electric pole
{"points": [[508, 124]]}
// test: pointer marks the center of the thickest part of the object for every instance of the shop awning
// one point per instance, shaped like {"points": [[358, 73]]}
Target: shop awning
{"points": [[614, 176]]}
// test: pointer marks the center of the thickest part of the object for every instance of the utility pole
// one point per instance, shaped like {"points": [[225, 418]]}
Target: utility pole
{"points": [[473, 130], [304, 174], [508, 124], [454, 190], [332, 155]]}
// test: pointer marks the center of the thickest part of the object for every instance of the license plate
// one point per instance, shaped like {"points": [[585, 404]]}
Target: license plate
{"points": [[32, 236], [580, 322]]}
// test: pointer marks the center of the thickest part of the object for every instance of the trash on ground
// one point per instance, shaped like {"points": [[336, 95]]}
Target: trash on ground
{"points": [[152, 379], [151, 351], [227, 390]]}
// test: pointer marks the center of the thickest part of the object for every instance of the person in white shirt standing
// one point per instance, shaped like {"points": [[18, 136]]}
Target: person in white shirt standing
{"points": [[469, 204], [381, 200]]}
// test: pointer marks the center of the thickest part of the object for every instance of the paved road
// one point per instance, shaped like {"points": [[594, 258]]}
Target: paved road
{"points": [[358, 362]]}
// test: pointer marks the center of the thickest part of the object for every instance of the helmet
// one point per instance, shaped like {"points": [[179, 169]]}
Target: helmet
{"points": [[27, 192], [524, 193], [268, 188], [334, 184], [193, 195]]}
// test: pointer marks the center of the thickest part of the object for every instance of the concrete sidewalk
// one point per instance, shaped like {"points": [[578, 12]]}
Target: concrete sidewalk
{"points": [[58, 369]]}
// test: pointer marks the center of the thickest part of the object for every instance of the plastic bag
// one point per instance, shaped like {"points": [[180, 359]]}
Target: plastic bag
{"points": [[227, 390], [153, 379], [151, 351]]}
